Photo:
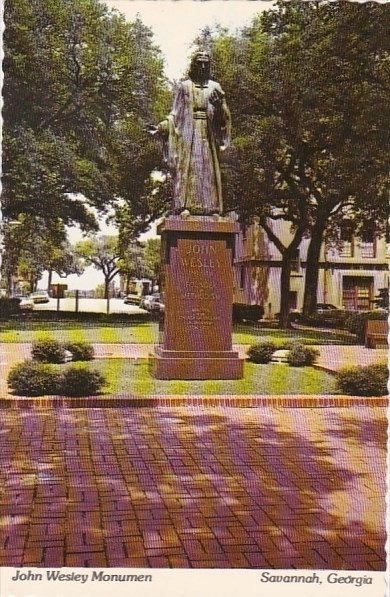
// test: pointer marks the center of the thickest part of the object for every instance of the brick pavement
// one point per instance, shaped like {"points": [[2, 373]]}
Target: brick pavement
{"points": [[194, 487]]}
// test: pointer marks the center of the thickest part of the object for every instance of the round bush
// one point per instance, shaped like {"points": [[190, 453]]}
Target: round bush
{"points": [[81, 351], [34, 379], [48, 351], [301, 355], [80, 381], [363, 381], [261, 352]]}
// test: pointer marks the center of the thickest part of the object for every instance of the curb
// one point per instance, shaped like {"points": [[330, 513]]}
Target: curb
{"points": [[125, 401]]}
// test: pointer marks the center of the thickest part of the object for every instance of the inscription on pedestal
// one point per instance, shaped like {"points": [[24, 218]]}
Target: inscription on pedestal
{"points": [[198, 280], [198, 291]]}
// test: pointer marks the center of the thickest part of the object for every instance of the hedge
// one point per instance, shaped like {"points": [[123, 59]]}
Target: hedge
{"points": [[363, 381]]}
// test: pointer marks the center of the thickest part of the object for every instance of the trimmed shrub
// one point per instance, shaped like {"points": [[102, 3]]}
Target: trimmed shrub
{"points": [[363, 381], [80, 381], [261, 352], [9, 306], [243, 312], [34, 379], [48, 351], [301, 355], [356, 322], [81, 351]]}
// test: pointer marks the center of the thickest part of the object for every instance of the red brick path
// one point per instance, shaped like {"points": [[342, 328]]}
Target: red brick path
{"points": [[194, 487]]}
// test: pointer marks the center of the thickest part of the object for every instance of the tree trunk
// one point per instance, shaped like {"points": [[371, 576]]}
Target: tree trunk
{"points": [[49, 281], [32, 283], [312, 268], [106, 286], [128, 278], [9, 284], [285, 290]]}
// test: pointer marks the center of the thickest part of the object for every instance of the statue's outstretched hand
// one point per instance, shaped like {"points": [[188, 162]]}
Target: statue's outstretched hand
{"points": [[151, 129]]}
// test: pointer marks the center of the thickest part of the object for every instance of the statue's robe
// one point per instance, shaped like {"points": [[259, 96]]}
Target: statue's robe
{"points": [[196, 131]]}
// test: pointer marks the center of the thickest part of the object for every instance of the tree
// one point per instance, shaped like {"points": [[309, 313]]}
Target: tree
{"points": [[308, 87], [33, 246], [152, 258], [103, 253], [131, 262], [80, 85]]}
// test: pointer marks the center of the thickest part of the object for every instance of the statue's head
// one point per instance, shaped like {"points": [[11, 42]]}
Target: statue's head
{"points": [[200, 67]]}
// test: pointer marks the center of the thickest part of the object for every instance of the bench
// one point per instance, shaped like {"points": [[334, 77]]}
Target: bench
{"points": [[376, 333]]}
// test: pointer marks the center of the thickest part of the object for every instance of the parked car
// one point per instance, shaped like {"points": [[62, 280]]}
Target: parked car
{"points": [[132, 299], [156, 305], [326, 307], [331, 313], [40, 296], [147, 300], [26, 304]]}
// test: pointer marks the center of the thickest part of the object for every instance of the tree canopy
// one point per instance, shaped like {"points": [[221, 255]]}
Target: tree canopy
{"points": [[308, 87], [80, 86]]}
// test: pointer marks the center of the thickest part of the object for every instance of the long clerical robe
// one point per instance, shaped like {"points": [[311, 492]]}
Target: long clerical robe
{"points": [[196, 131]]}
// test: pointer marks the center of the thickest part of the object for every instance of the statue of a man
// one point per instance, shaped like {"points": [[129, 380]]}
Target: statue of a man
{"points": [[195, 132]]}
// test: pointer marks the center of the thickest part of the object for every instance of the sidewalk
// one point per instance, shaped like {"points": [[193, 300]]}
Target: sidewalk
{"points": [[200, 487]]}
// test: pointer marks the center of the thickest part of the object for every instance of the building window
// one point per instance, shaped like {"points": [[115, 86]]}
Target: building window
{"points": [[295, 262], [347, 229], [367, 245]]}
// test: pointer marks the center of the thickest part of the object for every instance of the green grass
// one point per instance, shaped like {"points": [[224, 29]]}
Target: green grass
{"points": [[141, 333], [111, 332], [132, 376], [248, 335]]}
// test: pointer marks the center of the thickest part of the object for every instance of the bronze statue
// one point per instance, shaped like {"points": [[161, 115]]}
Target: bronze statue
{"points": [[194, 133]]}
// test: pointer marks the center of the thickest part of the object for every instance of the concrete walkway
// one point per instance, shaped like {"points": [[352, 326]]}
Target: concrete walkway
{"points": [[332, 356], [197, 487]]}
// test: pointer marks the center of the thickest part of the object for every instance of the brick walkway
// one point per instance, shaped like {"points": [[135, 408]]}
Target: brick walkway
{"points": [[194, 487]]}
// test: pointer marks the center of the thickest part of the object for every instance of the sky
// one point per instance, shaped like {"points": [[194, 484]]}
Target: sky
{"points": [[175, 24]]}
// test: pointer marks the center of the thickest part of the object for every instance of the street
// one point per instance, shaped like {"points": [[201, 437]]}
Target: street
{"points": [[88, 305]]}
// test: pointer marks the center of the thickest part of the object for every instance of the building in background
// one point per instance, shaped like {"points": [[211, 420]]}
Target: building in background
{"points": [[350, 274]]}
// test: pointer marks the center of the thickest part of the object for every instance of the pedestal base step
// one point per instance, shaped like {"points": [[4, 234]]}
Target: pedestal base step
{"points": [[228, 367]]}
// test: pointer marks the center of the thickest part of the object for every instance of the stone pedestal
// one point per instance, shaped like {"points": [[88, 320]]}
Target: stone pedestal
{"points": [[196, 343]]}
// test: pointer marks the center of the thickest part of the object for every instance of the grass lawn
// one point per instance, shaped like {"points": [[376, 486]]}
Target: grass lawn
{"points": [[112, 332], [132, 376], [76, 331]]}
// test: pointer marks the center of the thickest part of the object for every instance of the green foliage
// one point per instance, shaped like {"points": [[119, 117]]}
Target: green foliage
{"points": [[363, 381], [33, 245], [81, 351], [382, 300], [301, 356], [243, 312], [80, 381], [307, 84], [48, 351], [356, 322], [152, 258], [103, 253], [80, 85], [261, 352], [34, 379]]}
